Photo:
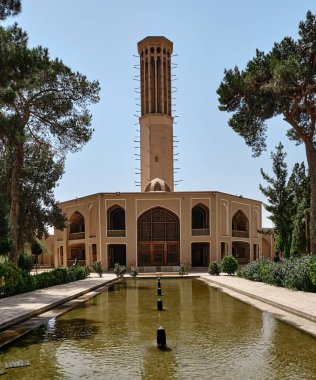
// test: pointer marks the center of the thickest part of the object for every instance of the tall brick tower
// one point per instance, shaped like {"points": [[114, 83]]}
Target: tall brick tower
{"points": [[156, 121]]}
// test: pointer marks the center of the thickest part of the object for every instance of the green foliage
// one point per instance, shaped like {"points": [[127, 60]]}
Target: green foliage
{"points": [[36, 248], [229, 265], [44, 105], [280, 200], [14, 280], [9, 8], [281, 82], [5, 242], [76, 272], [259, 270], [97, 267], [312, 273], [87, 270], [119, 270], [60, 275], [10, 276], [134, 271], [214, 269], [25, 262], [288, 201], [3, 259], [181, 270], [299, 185], [297, 273]]}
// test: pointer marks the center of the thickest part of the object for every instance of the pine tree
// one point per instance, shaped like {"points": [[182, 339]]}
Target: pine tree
{"points": [[299, 187], [5, 243], [280, 82], [280, 200], [43, 101], [9, 8]]}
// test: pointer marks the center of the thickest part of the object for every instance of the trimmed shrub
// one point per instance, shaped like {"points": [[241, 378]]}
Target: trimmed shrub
{"points": [[214, 269], [45, 279], [60, 275], [229, 265], [14, 280]]}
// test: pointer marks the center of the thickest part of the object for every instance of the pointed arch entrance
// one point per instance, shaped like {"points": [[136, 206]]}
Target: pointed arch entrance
{"points": [[158, 233]]}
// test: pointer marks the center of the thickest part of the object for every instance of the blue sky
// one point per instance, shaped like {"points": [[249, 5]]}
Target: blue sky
{"points": [[99, 38]]}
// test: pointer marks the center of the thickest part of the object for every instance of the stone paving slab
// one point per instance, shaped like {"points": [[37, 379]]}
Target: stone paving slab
{"points": [[21, 307], [302, 304]]}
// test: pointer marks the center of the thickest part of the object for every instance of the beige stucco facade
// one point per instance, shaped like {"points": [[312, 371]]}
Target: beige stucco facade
{"points": [[158, 227], [98, 238]]}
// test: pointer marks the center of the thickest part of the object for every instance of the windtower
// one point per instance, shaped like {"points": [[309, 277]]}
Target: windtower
{"points": [[156, 121]]}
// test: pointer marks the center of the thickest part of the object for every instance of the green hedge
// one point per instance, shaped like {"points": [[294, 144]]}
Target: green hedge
{"points": [[297, 273], [14, 280]]}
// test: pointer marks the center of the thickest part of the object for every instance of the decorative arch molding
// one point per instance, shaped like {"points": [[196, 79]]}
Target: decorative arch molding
{"points": [[256, 222], [266, 248], [224, 219], [240, 225], [77, 226], [116, 225], [158, 234], [92, 220]]}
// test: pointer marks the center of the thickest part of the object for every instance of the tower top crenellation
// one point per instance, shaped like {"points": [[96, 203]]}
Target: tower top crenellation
{"points": [[153, 41]]}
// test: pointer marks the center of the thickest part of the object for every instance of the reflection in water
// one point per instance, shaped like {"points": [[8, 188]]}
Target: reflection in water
{"points": [[210, 336]]}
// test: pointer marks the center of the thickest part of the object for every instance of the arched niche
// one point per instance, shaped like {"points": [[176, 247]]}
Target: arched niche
{"points": [[116, 221], [77, 226], [240, 224], [200, 220]]}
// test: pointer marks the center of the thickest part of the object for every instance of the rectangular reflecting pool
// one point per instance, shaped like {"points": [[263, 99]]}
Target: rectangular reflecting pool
{"points": [[210, 335]]}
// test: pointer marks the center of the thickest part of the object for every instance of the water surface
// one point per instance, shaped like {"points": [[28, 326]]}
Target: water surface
{"points": [[210, 335]]}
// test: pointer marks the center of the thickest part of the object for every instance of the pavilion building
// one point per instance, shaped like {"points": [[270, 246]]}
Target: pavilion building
{"points": [[158, 228]]}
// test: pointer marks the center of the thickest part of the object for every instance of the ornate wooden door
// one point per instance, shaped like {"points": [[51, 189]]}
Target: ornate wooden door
{"points": [[158, 238]]}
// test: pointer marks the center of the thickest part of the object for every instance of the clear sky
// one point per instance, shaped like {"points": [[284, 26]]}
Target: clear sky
{"points": [[99, 38]]}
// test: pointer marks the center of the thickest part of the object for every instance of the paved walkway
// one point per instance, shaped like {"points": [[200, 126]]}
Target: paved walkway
{"points": [[24, 306]]}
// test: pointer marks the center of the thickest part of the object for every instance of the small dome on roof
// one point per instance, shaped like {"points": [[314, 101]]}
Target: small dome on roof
{"points": [[157, 184]]}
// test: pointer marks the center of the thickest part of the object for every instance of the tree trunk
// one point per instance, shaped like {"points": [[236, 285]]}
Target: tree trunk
{"points": [[15, 198], [311, 159]]}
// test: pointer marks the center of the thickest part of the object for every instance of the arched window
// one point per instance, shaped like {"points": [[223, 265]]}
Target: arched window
{"points": [[116, 221], [200, 220], [157, 187], [240, 224], [77, 226]]}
